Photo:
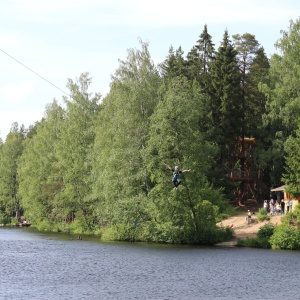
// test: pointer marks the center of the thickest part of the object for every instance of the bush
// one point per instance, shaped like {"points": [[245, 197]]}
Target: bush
{"points": [[262, 215], [254, 243], [223, 234], [285, 236], [44, 225], [265, 231], [4, 219], [262, 239]]}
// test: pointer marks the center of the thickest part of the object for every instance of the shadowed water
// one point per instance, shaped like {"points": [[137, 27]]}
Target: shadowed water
{"points": [[54, 266]]}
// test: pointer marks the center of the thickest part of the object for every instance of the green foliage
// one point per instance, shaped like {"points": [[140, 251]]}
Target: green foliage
{"points": [[292, 174], [282, 107], [44, 225], [99, 168], [175, 64], [10, 153], [4, 218], [266, 231], [225, 104], [285, 237], [40, 179], [254, 243], [130, 232], [262, 239], [77, 227], [262, 215], [293, 218]]}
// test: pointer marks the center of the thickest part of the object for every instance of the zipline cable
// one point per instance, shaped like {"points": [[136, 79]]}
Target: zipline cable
{"points": [[34, 72]]}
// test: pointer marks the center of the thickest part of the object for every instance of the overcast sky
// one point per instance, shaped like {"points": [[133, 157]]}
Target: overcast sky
{"points": [[60, 39]]}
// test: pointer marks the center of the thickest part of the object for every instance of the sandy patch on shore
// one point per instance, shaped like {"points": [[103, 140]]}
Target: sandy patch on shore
{"points": [[242, 229]]}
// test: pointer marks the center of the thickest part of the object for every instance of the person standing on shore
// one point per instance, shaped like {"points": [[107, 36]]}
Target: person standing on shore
{"points": [[289, 205], [282, 207], [266, 206]]}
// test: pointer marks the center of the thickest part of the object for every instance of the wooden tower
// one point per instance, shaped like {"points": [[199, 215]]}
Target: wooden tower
{"points": [[240, 164]]}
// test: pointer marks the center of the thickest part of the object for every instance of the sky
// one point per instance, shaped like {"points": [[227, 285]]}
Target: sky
{"points": [[43, 43]]}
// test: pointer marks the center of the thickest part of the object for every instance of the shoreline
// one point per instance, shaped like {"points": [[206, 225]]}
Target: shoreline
{"points": [[243, 230]]}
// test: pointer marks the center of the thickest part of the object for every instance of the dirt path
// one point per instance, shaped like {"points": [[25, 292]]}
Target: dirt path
{"points": [[242, 229]]}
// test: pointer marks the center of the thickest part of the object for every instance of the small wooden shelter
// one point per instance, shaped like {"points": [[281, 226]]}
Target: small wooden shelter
{"points": [[281, 194]]}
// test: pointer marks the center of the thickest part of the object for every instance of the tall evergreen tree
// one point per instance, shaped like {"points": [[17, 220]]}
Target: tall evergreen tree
{"points": [[247, 47], [255, 127], [256, 99], [226, 105], [254, 66], [200, 58], [175, 64]]}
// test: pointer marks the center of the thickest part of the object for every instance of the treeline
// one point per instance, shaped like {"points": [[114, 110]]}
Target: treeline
{"points": [[96, 165]]}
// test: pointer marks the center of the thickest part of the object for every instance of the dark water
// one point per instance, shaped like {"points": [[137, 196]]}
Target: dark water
{"points": [[48, 266]]}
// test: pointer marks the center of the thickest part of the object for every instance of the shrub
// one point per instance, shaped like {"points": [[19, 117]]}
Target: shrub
{"points": [[77, 227], [262, 215], [223, 234], [265, 231], [254, 243], [262, 239], [285, 236], [4, 219], [43, 225]]}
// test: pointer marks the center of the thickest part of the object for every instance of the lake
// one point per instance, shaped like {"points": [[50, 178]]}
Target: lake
{"points": [[36, 265]]}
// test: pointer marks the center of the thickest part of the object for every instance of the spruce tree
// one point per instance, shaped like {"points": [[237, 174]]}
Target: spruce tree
{"points": [[226, 101], [200, 58], [175, 64]]}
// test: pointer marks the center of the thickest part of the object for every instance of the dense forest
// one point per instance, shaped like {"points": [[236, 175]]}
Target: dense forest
{"points": [[98, 165]]}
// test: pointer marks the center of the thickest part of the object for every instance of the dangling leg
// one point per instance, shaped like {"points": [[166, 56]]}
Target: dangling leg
{"points": [[176, 184]]}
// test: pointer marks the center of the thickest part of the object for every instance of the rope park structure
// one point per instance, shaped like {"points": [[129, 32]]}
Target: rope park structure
{"points": [[240, 170]]}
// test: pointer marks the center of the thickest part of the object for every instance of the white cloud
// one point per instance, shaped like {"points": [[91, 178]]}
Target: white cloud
{"points": [[159, 14], [193, 12], [20, 116], [16, 92], [9, 40]]}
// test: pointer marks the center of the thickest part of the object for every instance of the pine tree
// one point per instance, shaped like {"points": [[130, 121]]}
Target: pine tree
{"points": [[246, 46]]}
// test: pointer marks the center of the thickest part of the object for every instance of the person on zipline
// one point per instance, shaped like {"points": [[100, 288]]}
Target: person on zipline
{"points": [[176, 181]]}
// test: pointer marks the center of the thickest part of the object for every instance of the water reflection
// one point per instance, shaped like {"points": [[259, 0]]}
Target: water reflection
{"points": [[41, 266]]}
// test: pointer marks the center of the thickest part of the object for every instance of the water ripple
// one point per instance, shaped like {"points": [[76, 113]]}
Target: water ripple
{"points": [[41, 266]]}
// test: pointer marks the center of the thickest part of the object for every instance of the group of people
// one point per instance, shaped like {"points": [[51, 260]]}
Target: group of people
{"points": [[276, 207]]}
